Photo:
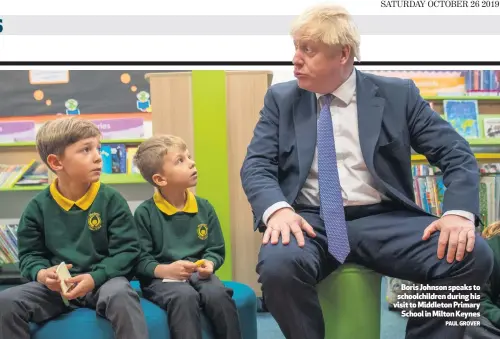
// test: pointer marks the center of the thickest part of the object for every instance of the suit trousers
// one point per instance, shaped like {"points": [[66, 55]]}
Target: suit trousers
{"points": [[386, 238]]}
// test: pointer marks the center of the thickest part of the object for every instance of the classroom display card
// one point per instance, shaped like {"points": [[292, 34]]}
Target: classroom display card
{"points": [[17, 131], [121, 128]]}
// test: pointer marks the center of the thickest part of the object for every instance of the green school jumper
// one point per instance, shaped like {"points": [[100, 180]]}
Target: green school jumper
{"points": [[97, 234], [168, 235]]}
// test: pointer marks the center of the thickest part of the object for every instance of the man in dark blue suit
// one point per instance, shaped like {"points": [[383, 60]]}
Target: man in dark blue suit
{"points": [[328, 176]]}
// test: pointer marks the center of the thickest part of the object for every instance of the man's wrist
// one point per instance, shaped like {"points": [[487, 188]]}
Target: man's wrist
{"points": [[464, 214], [273, 209]]}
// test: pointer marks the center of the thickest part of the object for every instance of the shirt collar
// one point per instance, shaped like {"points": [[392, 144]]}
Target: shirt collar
{"points": [[84, 202], [167, 208], [346, 91]]}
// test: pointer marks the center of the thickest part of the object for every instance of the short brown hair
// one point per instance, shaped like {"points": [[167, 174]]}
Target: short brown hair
{"points": [[55, 135], [151, 153]]}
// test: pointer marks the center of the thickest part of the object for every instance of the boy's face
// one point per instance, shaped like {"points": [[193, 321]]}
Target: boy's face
{"points": [[80, 162], [179, 170]]}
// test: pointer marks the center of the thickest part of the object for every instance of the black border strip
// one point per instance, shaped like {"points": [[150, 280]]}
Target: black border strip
{"points": [[238, 63]]}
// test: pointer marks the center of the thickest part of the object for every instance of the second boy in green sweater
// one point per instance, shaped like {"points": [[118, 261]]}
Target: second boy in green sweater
{"points": [[182, 244]]}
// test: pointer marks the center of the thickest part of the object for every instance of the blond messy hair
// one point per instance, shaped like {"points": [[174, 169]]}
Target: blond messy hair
{"points": [[491, 230], [150, 154], [328, 24], [55, 135]]}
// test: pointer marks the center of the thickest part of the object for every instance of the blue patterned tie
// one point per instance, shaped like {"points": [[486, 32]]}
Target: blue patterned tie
{"points": [[331, 206]]}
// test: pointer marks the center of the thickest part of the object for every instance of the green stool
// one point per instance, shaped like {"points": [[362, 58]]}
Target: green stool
{"points": [[350, 300]]}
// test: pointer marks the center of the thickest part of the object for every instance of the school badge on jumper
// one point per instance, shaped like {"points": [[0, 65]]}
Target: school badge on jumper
{"points": [[94, 221], [202, 231]]}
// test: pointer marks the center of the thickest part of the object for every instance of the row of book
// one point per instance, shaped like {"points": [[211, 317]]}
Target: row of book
{"points": [[8, 244], [424, 170], [430, 189], [118, 158], [482, 82]]}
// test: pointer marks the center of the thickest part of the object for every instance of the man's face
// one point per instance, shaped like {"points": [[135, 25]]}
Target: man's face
{"points": [[318, 67]]}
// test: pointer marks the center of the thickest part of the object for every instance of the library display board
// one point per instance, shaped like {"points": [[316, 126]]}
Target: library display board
{"points": [[73, 92], [216, 111]]}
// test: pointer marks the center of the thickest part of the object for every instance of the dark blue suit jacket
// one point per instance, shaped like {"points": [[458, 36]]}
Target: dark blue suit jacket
{"points": [[392, 119]]}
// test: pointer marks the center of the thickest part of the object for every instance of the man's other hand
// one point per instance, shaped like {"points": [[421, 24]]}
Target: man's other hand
{"points": [[282, 223], [456, 232]]}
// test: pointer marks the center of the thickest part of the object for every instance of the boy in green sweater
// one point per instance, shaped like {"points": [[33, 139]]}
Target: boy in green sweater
{"points": [[490, 293], [84, 223], [182, 244]]}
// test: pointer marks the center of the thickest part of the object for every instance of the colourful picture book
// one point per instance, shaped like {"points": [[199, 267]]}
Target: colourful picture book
{"points": [[463, 116]]}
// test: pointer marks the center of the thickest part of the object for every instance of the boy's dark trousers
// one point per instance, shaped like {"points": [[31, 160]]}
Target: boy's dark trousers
{"points": [[34, 302], [184, 302]]}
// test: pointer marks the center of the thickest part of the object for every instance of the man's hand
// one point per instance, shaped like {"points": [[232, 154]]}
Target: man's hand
{"points": [[49, 278], [284, 222], [206, 269], [178, 270], [457, 232], [81, 285]]}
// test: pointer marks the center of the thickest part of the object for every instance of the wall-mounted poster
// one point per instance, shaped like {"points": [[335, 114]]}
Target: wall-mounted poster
{"points": [[74, 92]]}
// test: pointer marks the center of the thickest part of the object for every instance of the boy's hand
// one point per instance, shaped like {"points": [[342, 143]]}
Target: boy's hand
{"points": [[81, 285], [206, 269], [179, 270], [49, 278]]}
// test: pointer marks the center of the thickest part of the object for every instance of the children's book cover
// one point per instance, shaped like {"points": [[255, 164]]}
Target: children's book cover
{"points": [[118, 158], [463, 116], [106, 159]]}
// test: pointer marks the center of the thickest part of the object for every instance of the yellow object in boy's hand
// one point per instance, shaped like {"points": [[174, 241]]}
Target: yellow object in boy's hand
{"points": [[200, 263]]}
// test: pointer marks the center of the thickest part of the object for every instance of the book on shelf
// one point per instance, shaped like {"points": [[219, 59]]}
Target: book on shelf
{"points": [[8, 244], [492, 127], [463, 115], [33, 173]]}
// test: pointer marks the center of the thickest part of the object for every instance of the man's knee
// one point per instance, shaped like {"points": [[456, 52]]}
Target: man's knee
{"points": [[283, 265]]}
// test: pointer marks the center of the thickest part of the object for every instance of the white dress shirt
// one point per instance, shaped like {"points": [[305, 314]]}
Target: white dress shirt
{"points": [[357, 184]]}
